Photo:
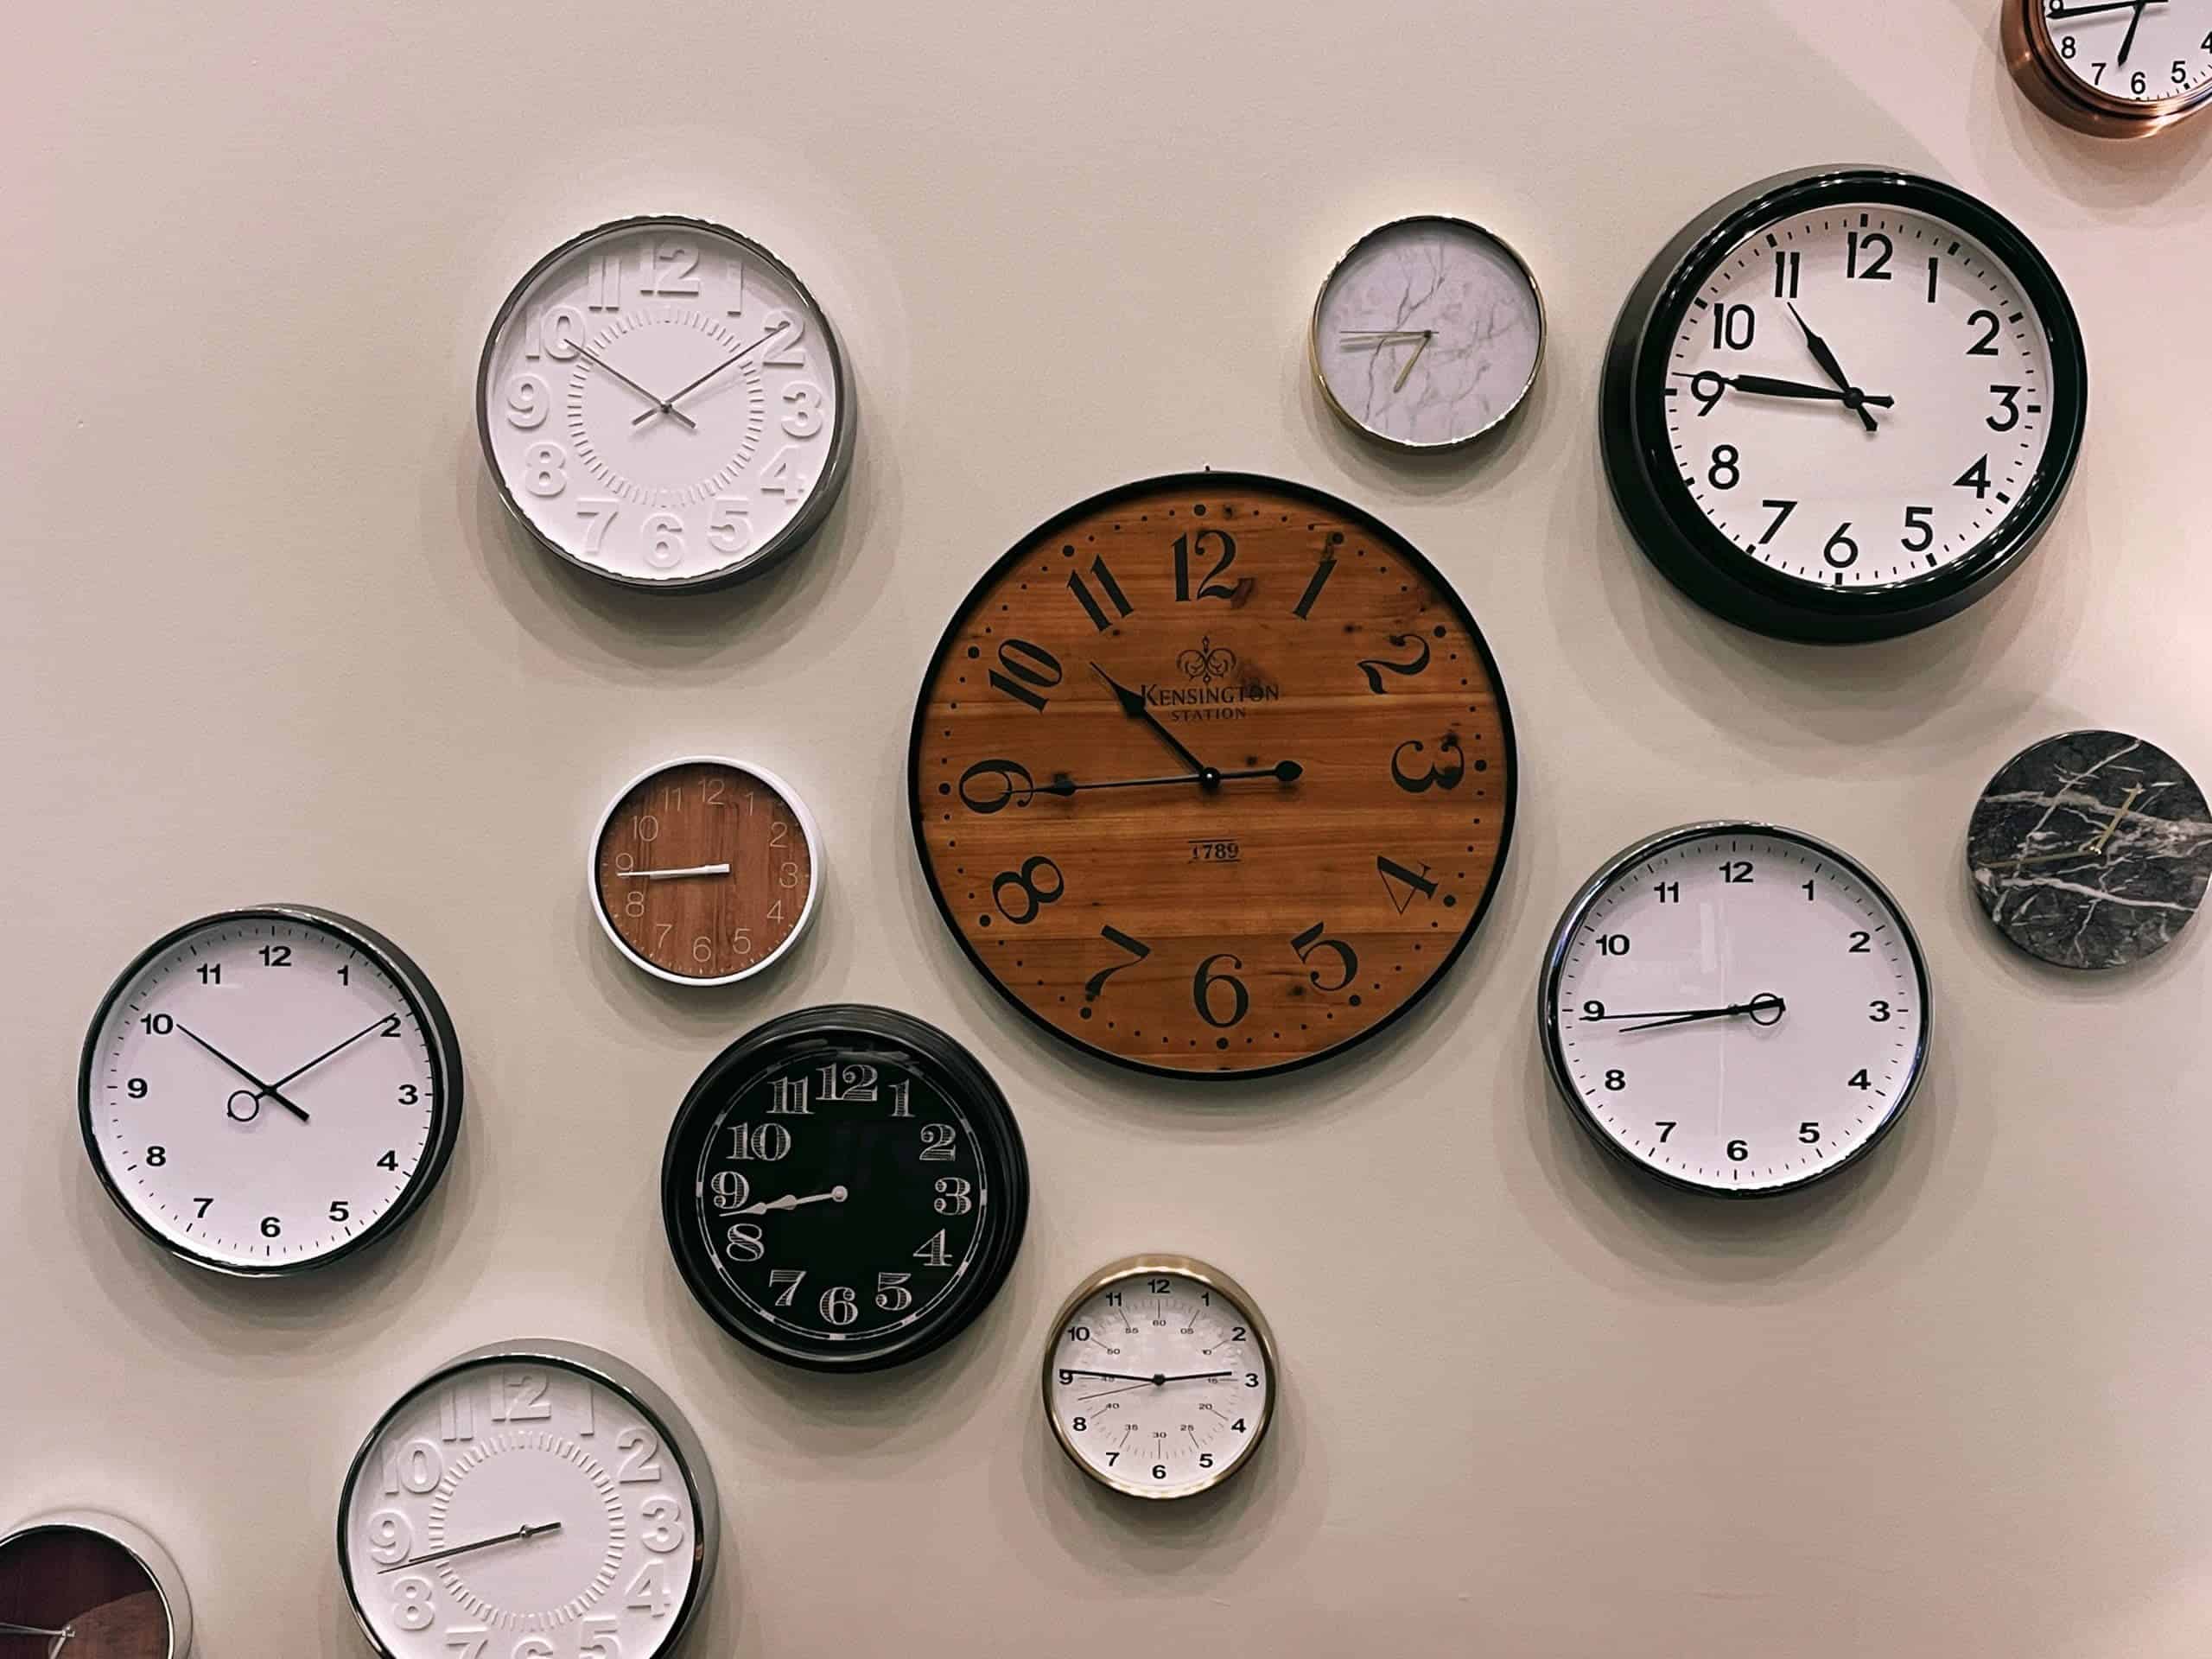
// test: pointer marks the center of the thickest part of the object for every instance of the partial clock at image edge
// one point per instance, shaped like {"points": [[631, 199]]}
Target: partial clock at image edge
{"points": [[918, 1185], [139, 1057], [87, 1581], [724, 301], [1282, 905], [1728, 578], [2147, 99]]}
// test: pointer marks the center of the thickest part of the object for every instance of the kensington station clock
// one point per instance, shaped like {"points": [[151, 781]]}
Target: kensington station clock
{"points": [[663, 403], [1843, 404], [1212, 775]]}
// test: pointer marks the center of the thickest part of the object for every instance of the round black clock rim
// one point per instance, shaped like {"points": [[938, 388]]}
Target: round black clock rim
{"points": [[1608, 875], [603, 1369], [1668, 524], [803, 523], [827, 1027], [430, 1018], [1201, 482]]}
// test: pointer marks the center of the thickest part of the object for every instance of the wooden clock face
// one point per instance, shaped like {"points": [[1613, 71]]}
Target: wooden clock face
{"points": [[1212, 775]]}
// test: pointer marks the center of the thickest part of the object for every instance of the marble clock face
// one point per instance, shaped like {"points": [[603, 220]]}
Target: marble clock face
{"points": [[1212, 775], [2091, 849]]}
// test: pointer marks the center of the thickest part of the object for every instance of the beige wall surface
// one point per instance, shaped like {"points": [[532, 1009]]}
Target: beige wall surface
{"points": [[265, 633]]}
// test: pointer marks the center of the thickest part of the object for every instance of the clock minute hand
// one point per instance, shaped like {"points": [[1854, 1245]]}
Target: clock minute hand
{"points": [[374, 1025], [1754, 1008], [791, 1201], [519, 1533], [682, 392], [1283, 772], [1765, 385], [1833, 369]]}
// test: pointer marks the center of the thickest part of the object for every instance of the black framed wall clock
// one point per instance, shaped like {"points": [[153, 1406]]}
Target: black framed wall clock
{"points": [[844, 1189], [1843, 404], [1212, 775]]}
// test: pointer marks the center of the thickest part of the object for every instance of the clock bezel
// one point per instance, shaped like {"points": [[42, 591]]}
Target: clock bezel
{"points": [[602, 1370], [807, 827], [1663, 517], [1201, 482], [844, 1028], [830, 482], [2033, 56], [430, 1018], [1407, 445], [1608, 875], [1138, 1266]]}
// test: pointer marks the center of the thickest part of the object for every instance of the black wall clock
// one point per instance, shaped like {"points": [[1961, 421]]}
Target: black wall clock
{"points": [[844, 1189], [1843, 404], [2091, 849]]}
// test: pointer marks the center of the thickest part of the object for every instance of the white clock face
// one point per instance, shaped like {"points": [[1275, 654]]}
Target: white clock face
{"points": [[1858, 395], [517, 1509], [261, 1094], [1160, 1384], [1427, 332], [661, 403], [1737, 1010], [2141, 55]]}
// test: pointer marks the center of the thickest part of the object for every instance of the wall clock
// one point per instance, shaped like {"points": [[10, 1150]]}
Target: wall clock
{"points": [[267, 1091], [534, 1499], [82, 1585], [1212, 775], [2091, 849], [1735, 1008], [1428, 333], [663, 403], [844, 1189], [705, 870], [1159, 1378], [2112, 70], [1843, 404]]}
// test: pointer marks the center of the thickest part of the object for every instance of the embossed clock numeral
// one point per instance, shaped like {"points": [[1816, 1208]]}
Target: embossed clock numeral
{"points": [[673, 270], [786, 352], [604, 283]]}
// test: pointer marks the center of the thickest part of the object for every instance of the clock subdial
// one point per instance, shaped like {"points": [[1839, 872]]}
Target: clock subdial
{"points": [[1858, 395], [1212, 775]]}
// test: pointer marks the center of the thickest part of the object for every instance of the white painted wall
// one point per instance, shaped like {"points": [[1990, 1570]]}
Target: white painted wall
{"points": [[264, 633]]}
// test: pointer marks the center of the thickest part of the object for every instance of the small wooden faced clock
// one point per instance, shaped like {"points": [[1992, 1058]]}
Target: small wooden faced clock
{"points": [[1212, 775]]}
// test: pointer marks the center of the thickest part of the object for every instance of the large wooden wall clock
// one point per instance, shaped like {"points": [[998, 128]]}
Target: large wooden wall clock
{"points": [[1212, 775]]}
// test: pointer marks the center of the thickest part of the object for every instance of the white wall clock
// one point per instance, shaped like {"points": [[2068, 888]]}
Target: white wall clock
{"points": [[529, 1500], [2112, 69], [268, 1091], [663, 403]]}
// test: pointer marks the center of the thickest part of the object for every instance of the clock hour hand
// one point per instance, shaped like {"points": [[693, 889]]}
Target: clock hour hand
{"points": [[1827, 359], [532, 1531], [262, 1091], [377, 1024], [1133, 705], [789, 1201], [1283, 772], [660, 406]]}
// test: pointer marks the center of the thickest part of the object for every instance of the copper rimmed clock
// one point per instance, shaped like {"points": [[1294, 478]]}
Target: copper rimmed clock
{"points": [[1212, 775]]}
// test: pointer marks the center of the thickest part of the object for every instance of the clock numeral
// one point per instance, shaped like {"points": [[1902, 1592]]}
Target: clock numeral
{"points": [[663, 535], [1876, 246], [211, 973], [1808, 1132], [1862, 943], [1918, 521], [1781, 510], [1858, 1079], [457, 1414], [839, 1305], [597, 512], [743, 1241], [1935, 269], [391, 1536], [1665, 1128], [728, 531], [1878, 1012], [842, 1083], [201, 1207], [1841, 552], [1014, 786], [275, 955], [940, 1143], [527, 400], [892, 1295], [545, 469], [415, 1467], [1975, 478], [641, 1453], [411, 1605], [650, 1592], [604, 286], [389, 1160], [765, 1143], [391, 1025], [1209, 587], [341, 1212], [1738, 1150], [1376, 667], [935, 1252], [805, 417], [955, 1196], [1613, 944], [1670, 892], [1447, 771], [668, 1531], [1736, 871], [673, 269], [1112, 589], [787, 354], [520, 1398], [1616, 1081], [786, 476], [1734, 327], [2009, 397], [1310, 940], [1708, 389], [1094, 986], [1026, 881], [1025, 672], [1205, 980], [1786, 262], [787, 1097], [785, 1281], [157, 1156], [158, 1024], [1987, 345], [1726, 473], [1303, 609], [553, 332], [1404, 886], [902, 1093]]}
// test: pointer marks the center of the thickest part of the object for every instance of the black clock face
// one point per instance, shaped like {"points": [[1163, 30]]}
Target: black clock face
{"points": [[844, 1189], [1845, 408]]}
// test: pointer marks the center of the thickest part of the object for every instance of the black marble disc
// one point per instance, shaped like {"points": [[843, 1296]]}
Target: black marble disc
{"points": [[2091, 849]]}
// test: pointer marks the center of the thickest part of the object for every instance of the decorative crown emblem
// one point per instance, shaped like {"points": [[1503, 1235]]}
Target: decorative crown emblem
{"points": [[1208, 663]]}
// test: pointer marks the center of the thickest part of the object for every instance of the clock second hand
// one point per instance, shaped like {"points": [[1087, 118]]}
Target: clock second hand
{"points": [[670, 876], [1283, 772]]}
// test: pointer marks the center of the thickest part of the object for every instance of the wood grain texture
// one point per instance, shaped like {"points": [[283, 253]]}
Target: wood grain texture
{"points": [[704, 812], [1240, 927], [60, 1576]]}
